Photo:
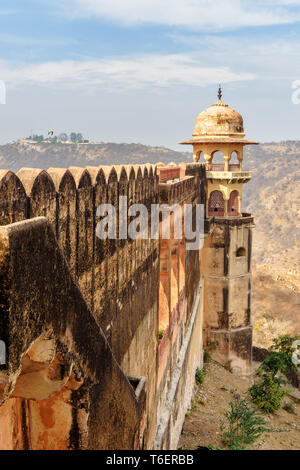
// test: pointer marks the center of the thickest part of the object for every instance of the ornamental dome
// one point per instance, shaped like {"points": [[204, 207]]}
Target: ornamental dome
{"points": [[219, 120]]}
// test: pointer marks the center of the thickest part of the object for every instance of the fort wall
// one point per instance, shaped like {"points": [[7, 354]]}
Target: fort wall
{"points": [[119, 279], [146, 299]]}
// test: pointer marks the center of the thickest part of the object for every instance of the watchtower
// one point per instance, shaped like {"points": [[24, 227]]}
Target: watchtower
{"points": [[226, 256]]}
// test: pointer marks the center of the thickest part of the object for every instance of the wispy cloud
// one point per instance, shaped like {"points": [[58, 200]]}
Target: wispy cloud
{"points": [[195, 14], [14, 39], [123, 73], [267, 56]]}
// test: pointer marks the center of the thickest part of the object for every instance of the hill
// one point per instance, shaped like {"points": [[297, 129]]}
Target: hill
{"points": [[61, 155], [272, 196]]}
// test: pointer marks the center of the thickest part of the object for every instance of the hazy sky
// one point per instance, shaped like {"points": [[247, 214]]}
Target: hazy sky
{"points": [[141, 70]]}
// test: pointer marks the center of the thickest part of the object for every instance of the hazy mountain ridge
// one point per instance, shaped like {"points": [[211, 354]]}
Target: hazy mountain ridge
{"points": [[272, 196], [44, 155]]}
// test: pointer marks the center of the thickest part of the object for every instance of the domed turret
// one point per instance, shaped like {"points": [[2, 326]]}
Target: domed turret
{"points": [[219, 123], [219, 133], [219, 120]]}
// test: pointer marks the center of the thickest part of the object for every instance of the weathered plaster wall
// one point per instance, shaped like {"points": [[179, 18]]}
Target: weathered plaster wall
{"points": [[40, 299], [13, 424]]}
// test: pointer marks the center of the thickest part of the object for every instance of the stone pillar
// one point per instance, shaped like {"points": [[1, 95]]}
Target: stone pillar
{"points": [[240, 159], [196, 153], [208, 159], [226, 206], [226, 159]]}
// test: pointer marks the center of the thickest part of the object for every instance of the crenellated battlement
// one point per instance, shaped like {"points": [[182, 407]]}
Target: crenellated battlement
{"points": [[33, 192], [36, 184]]}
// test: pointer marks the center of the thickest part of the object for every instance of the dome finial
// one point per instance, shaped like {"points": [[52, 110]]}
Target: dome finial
{"points": [[220, 92]]}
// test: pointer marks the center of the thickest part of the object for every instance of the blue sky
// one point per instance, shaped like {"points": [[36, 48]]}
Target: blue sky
{"points": [[140, 71]]}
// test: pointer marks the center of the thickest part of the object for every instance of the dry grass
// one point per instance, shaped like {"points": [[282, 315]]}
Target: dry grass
{"points": [[275, 305], [202, 424]]}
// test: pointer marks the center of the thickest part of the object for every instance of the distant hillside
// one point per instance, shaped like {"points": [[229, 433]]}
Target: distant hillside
{"points": [[272, 196], [44, 155]]}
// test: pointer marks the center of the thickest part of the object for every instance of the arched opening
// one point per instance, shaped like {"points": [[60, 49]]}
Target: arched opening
{"points": [[234, 162], [216, 204], [233, 203], [241, 252], [217, 161], [217, 157]]}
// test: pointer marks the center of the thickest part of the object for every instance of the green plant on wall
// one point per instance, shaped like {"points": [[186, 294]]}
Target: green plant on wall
{"points": [[200, 375], [160, 333]]}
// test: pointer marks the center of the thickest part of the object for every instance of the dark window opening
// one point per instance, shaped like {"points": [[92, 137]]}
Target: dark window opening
{"points": [[241, 251]]}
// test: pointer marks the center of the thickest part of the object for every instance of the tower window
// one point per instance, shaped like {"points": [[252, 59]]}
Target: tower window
{"points": [[218, 157], [241, 252], [233, 203], [216, 204]]}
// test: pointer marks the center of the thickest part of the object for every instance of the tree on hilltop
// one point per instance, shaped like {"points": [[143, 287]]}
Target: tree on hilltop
{"points": [[63, 137]]}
